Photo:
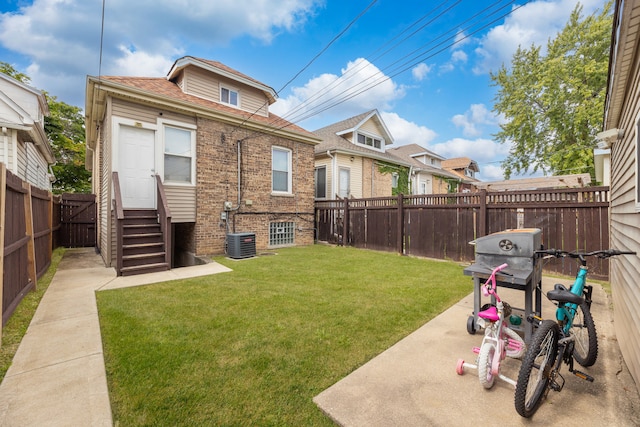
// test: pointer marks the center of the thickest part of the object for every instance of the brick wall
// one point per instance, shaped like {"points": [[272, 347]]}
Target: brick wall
{"points": [[381, 181], [217, 182]]}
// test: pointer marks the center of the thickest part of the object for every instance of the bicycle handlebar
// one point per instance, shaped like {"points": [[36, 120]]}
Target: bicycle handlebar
{"points": [[602, 253]]}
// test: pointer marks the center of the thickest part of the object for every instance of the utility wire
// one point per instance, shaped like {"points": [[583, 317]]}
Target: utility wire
{"points": [[380, 78], [338, 36]]}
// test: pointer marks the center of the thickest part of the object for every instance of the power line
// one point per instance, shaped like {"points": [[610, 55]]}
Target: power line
{"points": [[323, 50], [410, 63]]}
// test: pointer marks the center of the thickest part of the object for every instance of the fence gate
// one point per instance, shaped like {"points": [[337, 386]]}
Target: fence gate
{"points": [[78, 220]]}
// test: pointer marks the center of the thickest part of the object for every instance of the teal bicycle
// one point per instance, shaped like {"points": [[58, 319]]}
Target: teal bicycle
{"points": [[572, 336]]}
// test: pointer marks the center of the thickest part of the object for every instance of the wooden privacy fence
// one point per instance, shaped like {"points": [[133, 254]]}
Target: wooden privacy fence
{"points": [[30, 228], [442, 225]]}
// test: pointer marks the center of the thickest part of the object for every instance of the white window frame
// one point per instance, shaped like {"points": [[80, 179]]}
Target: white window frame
{"points": [[289, 190], [315, 182], [162, 124], [230, 90], [373, 139]]}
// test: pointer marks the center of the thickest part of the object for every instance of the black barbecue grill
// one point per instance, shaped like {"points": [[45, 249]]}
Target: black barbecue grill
{"points": [[517, 249]]}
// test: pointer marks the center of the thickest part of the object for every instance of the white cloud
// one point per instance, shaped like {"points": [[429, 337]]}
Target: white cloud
{"points": [[420, 71], [490, 172], [405, 132], [135, 63], [473, 119], [61, 38], [480, 150], [459, 56], [533, 23], [361, 86]]}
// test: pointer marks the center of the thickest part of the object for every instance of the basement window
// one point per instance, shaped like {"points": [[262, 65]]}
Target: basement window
{"points": [[281, 233]]}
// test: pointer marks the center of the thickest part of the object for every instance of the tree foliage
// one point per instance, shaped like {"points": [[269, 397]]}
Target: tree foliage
{"points": [[553, 103], [65, 130], [10, 71]]}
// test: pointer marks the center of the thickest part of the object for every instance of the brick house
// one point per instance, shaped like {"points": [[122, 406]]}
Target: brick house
{"points": [[202, 145]]}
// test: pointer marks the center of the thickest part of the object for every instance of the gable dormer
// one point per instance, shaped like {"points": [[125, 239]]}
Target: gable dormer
{"points": [[216, 82], [368, 131]]}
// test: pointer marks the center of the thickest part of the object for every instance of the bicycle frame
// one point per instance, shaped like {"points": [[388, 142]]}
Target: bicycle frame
{"points": [[504, 341], [566, 311]]}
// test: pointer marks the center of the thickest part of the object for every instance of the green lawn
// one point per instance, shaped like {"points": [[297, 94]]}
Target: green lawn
{"points": [[254, 346]]}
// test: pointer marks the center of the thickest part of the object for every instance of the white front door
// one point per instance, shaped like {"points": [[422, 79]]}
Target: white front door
{"points": [[136, 167]]}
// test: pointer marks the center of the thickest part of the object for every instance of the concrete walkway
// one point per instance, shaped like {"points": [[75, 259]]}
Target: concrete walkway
{"points": [[414, 383], [58, 378]]}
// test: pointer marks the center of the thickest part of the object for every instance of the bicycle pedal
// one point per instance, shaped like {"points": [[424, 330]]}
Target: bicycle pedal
{"points": [[583, 376], [555, 385]]}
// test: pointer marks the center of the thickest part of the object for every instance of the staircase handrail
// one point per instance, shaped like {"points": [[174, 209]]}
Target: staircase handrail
{"points": [[117, 205], [164, 218]]}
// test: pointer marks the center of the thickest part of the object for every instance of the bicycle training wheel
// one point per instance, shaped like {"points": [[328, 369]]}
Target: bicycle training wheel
{"points": [[585, 349], [538, 362], [485, 360]]}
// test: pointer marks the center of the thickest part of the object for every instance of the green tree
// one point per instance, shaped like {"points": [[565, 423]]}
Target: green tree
{"points": [[553, 103], [65, 128], [10, 71]]}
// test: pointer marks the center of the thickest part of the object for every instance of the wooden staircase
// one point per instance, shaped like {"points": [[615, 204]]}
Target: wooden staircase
{"points": [[143, 249], [143, 236]]}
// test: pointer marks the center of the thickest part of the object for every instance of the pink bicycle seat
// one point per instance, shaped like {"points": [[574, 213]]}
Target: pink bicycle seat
{"points": [[490, 314]]}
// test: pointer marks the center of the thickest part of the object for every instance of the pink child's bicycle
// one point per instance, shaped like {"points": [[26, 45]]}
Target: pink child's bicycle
{"points": [[499, 340]]}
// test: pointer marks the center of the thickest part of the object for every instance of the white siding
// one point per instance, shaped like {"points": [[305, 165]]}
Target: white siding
{"points": [[206, 85], [355, 172], [371, 126], [625, 220], [182, 203]]}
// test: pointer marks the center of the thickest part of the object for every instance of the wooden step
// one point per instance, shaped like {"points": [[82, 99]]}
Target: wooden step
{"points": [[142, 269]]}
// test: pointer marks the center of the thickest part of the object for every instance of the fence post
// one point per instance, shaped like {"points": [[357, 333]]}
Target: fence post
{"points": [[482, 214], [399, 244], [345, 223], [3, 198], [31, 249]]}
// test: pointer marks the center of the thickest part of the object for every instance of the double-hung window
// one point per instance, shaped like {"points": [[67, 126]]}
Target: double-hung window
{"points": [[179, 148], [321, 182], [281, 170], [229, 96]]}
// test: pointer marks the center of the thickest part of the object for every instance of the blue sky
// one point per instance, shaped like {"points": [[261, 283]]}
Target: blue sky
{"points": [[423, 64]]}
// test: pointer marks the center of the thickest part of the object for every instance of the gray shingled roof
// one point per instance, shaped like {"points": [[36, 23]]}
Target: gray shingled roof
{"points": [[405, 152], [331, 141]]}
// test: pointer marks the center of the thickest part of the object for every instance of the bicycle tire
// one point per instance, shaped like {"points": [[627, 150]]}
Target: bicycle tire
{"points": [[485, 360], [583, 328], [534, 376]]}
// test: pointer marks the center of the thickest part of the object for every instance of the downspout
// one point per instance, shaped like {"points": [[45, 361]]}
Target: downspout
{"points": [[410, 180]]}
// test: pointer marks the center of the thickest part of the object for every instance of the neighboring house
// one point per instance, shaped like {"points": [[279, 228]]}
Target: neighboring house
{"points": [[203, 137], [558, 181], [352, 159], [465, 168], [621, 135], [427, 175], [24, 147]]}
